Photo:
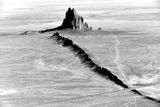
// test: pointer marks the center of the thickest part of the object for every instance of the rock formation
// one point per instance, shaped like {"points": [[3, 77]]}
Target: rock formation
{"points": [[71, 21], [99, 28], [88, 62], [28, 32]]}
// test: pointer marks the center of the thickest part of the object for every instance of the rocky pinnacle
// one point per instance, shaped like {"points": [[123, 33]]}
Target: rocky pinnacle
{"points": [[71, 21]]}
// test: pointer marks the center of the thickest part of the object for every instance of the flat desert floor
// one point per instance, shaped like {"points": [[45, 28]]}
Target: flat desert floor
{"points": [[36, 72]]}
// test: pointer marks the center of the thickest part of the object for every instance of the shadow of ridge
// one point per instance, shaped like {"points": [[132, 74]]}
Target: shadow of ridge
{"points": [[88, 62]]}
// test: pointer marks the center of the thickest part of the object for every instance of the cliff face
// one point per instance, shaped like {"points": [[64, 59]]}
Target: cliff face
{"points": [[74, 21], [71, 21]]}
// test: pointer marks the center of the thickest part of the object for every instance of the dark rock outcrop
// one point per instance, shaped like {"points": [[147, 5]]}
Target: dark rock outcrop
{"points": [[99, 28], [71, 21]]}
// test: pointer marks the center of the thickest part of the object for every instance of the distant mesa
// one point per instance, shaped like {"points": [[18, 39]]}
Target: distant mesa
{"points": [[71, 21], [28, 32]]}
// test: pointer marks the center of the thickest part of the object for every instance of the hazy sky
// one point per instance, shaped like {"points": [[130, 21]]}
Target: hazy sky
{"points": [[10, 5]]}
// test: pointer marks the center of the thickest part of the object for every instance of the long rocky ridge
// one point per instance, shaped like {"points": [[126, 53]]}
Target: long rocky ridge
{"points": [[88, 62]]}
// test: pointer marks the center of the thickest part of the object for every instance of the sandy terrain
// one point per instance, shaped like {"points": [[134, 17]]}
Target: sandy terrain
{"points": [[36, 72]]}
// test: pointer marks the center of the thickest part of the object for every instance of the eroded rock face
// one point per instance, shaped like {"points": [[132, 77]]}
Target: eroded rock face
{"points": [[74, 21], [71, 21]]}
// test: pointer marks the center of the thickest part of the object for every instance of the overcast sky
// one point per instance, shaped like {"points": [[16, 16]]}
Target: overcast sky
{"points": [[9, 5]]}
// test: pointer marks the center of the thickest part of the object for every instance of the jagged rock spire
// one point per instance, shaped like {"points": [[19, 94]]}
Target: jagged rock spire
{"points": [[72, 21]]}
